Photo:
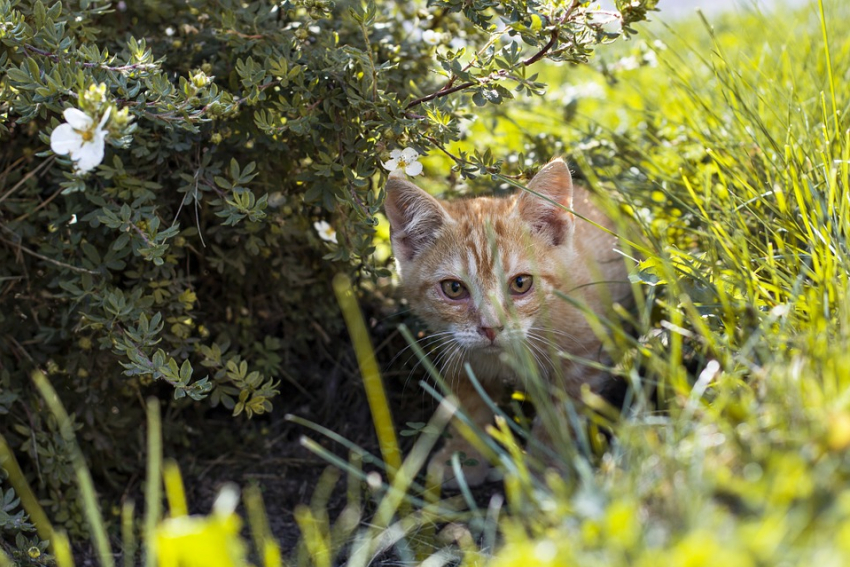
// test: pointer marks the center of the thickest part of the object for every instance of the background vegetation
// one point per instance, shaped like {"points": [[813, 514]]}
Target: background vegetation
{"points": [[731, 153]]}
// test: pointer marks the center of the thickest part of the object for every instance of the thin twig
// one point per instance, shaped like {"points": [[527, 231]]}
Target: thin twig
{"points": [[26, 177], [11, 166], [539, 55], [445, 91], [23, 248], [104, 66]]}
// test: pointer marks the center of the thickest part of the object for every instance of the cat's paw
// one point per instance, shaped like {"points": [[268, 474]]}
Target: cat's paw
{"points": [[474, 467]]}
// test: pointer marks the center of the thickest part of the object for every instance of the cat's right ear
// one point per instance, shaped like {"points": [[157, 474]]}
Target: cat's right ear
{"points": [[415, 217], [546, 207]]}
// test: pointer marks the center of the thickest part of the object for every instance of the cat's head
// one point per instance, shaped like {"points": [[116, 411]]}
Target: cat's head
{"points": [[482, 270]]}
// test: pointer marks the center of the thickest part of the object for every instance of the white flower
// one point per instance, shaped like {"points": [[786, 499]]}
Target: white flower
{"points": [[169, 31], [586, 90], [326, 231], [651, 59], [431, 37], [627, 64], [405, 160], [608, 22], [80, 138]]}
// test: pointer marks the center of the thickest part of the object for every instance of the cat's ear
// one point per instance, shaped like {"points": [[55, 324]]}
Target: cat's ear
{"points": [[415, 217], [547, 219]]}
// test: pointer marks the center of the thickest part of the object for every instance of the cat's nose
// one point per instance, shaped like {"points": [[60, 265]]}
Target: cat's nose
{"points": [[489, 332]]}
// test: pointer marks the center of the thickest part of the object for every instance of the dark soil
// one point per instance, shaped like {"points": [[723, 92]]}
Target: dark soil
{"points": [[268, 453]]}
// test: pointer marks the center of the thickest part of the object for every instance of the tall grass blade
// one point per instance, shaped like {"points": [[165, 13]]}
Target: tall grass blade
{"points": [[267, 547], [174, 491], [24, 492], [91, 508], [375, 394], [62, 550], [153, 486], [128, 533], [829, 70]]}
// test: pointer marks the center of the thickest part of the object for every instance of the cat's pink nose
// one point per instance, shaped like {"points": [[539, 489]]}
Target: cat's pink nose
{"points": [[489, 332]]}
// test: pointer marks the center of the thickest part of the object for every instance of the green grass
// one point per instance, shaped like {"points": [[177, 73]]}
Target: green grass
{"points": [[733, 153], [740, 155]]}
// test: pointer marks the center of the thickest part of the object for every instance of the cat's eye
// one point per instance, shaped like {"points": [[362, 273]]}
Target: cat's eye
{"points": [[453, 289], [521, 284]]}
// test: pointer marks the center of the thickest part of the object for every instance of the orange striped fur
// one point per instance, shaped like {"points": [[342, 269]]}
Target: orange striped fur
{"points": [[482, 246]]}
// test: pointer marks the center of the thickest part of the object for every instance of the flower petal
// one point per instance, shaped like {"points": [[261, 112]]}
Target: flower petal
{"points": [[391, 165], [325, 231], [409, 155], [64, 140], [78, 119], [431, 37], [105, 118], [413, 169], [89, 156], [395, 154]]}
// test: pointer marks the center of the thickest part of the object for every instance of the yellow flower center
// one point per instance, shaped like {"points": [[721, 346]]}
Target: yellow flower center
{"points": [[88, 135]]}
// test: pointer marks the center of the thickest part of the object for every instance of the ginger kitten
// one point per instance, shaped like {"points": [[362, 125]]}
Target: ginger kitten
{"points": [[484, 272]]}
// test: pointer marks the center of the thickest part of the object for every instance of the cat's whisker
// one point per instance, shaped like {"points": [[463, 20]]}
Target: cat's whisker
{"points": [[436, 343], [453, 355], [445, 352], [459, 360], [546, 347], [539, 355], [546, 350], [432, 336], [440, 361], [439, 340], [539, 363], [445, 359], [547, 338], [455, 376], [542, 331]]}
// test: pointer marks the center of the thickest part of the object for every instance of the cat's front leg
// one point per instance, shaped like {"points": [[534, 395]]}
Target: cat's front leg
{"points": [[475, 467]]}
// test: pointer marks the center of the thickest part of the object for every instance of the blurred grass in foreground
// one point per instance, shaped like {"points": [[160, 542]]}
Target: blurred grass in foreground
{"points": [[735, 160]]}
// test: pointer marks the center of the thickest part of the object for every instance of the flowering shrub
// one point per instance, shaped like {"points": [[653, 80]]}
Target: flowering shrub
{"points": [[180, 180]]}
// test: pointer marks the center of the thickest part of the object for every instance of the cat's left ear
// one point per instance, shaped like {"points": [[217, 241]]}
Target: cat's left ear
{"points": [[415, 217], [555, 184]]}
